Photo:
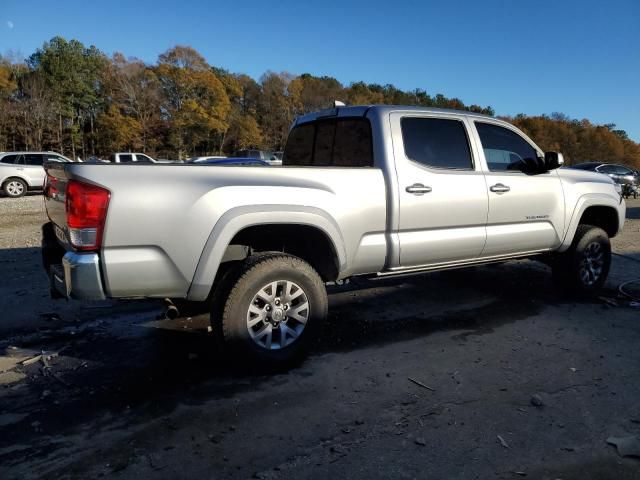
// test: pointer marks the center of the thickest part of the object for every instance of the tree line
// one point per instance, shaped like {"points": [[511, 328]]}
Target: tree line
{"points": [[80, 102]]}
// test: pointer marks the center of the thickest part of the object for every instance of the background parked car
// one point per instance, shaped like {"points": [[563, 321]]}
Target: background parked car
{"points": [[619, 173], [233, 161], [23, 171], [268, 157], [204, 159]]}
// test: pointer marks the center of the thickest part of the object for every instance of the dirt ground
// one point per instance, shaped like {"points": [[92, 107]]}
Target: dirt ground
{"points": [[482, 373]]}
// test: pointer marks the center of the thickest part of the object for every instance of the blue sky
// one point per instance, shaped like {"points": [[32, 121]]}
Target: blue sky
{"points": [[581, 58]]}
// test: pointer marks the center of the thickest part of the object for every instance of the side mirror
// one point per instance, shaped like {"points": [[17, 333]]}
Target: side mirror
{"points": [[553, 160]]}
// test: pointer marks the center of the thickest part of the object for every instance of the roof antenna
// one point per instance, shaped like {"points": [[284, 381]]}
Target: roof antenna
{"points": [[338, 103]]}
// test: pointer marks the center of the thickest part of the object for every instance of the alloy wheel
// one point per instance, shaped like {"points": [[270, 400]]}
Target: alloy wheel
{"points": [[15, 189], [592, 264], [277, 314]]}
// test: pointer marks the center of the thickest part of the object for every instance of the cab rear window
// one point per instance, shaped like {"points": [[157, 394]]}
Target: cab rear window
{"points": [[335, 142]]}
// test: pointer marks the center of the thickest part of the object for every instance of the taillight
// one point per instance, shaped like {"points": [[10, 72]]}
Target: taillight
{"points": [[86, 207], [50, 186]]}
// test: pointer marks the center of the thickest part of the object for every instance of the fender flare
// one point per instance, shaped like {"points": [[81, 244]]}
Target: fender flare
{"points": [[239, 218], [584, 202]]}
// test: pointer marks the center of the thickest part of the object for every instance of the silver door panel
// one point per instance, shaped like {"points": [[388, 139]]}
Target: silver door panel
{"points": [[522, 237], [423, 247], [447, 222]]}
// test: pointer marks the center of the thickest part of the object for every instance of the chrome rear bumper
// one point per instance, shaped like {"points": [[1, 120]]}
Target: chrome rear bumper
{"points": [[78, 276]]}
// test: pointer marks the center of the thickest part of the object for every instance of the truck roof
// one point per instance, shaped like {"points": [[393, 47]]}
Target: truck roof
{"points": [[362, 110]]}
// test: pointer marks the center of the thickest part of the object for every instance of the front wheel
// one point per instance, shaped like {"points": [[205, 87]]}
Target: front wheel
{"points": [[273, 311], [584, 268], [14, 187]]}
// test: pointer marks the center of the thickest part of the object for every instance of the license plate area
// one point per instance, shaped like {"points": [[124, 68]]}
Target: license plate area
{"points": [[62, 238]]}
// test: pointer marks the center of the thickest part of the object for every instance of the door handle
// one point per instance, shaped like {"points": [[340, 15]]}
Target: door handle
{"points": [[499, 188], [418, 189], [19, 168]]}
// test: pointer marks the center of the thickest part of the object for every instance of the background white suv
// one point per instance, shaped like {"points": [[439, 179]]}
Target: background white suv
{"points": [[23, 171]]}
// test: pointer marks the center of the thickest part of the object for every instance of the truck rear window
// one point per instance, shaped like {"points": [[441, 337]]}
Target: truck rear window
{"points": [[335, 142]]}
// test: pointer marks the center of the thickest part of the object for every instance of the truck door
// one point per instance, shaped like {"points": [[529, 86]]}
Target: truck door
{"points": [[526, 212], [442, 193]]}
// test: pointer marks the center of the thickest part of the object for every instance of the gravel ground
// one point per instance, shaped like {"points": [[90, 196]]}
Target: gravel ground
{"points": [[482, 373]]}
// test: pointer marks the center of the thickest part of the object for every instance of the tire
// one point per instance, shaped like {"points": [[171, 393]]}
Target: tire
{"points": [[268, 309], [583, 269], [14, 187]]}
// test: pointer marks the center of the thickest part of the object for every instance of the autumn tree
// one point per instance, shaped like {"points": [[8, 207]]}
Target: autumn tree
{"points": [[118, 132], [308, 93], [359, 93], [579, 140], [36, 109], [72, 73], [194, 102], [8, 88], [135, 89], [72, 98], [274, 109], [244, 132]]}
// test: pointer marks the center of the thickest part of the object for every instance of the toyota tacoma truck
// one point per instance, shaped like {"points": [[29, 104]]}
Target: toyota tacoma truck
{"points": [[371, 191]]}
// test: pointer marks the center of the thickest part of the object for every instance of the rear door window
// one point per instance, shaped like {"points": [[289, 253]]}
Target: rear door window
{"points": [[436, 142], [34, 159], [334, 142], [10, 159], [126, 158]]}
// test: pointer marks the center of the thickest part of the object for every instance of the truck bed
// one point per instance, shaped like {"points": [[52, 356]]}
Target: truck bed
{"points": [[161, 218]]}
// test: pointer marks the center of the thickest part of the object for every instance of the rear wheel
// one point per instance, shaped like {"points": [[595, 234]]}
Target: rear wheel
{"points": [[584, 268], [14, 187], [273, 311]]}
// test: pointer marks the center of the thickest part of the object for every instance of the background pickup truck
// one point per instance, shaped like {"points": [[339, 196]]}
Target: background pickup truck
{"points": [[129, 157], [368, 191]]}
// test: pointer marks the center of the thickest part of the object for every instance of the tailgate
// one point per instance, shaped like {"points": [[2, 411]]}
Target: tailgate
{"points": [[54, 196]]}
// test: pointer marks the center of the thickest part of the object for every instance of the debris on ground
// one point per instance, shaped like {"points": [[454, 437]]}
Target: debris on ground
{"points": [[50, 316], [421, 384], [609, 301], [31, 361], [502, 441], [627, 446], [420, 441], [536, 400]]}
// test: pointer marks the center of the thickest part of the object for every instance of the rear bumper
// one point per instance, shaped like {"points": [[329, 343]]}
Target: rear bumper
{"points": [[78, 276], [71, 274]]}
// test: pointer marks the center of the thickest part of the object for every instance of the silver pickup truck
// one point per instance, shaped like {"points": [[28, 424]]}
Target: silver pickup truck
{"points": [[364, 190]]}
